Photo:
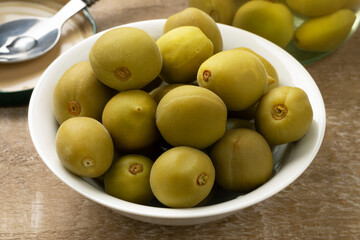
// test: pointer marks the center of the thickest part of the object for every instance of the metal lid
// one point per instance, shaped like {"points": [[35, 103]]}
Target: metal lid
{"points": [[17, 80]]}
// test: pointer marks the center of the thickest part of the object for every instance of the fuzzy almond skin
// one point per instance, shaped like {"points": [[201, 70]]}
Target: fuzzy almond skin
{"points": [[191, 116], [182, 177], [126, 58], [84, 147], [195, 17], [284, 115]]}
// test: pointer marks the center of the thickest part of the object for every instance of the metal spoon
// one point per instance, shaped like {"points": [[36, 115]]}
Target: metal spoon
{"points": [[28, 38]]}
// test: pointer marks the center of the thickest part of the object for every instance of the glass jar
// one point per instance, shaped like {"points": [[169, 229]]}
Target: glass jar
{"points": [[308, 29]]}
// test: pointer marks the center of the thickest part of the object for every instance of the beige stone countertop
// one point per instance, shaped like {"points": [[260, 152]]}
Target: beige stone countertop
{"points": [[323, 203]]}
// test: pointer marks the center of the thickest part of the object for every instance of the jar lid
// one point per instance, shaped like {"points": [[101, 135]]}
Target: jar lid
{"points": [[17, 80]]}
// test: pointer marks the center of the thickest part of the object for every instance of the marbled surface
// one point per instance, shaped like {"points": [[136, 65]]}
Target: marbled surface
{"points": [[323, 203]]}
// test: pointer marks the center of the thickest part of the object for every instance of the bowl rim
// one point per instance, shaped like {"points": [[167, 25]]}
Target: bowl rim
{"points": [[148, 213]]}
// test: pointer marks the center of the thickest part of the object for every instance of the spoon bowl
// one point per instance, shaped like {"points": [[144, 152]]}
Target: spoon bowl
{"points": [[19, 45], [28, 38]]}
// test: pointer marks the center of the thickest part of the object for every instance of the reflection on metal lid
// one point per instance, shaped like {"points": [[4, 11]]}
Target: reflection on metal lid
{"points": [[17, 79]]}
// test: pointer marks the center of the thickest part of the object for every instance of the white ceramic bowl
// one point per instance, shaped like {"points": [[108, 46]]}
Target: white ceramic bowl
{"points": [[291, 160]]}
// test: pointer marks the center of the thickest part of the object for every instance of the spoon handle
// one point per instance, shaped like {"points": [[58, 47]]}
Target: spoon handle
{"points": [[70, 9], [89, 2]]}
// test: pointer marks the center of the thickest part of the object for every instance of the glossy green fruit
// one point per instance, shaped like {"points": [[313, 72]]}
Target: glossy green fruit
{"points": [[79, 94], [222, 11], [273, 21], [183, 50], [210, 197], [159, 92], [239, 3], [195, 17], [182, 177], [129, 179], [236, 76], [84, 147], [284, 115], [191, 116], [242, 160], [130, 118], [273, 78], [273, 82], [314, 8], [325, 33], [125, 58]]}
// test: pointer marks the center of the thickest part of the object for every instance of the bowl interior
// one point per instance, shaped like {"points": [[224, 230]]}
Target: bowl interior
{"points": [[291, 160]]}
